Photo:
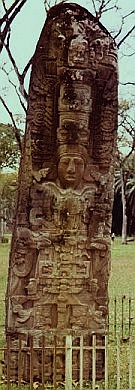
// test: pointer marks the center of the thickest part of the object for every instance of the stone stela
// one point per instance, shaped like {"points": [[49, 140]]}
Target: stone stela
{"points": [[60, 252]]}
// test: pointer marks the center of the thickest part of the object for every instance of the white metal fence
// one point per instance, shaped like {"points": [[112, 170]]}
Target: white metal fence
{"points": [[119, 364], [124, 370]]}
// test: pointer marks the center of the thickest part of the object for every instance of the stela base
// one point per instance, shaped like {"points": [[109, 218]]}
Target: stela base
{"points": [[45, 358]]}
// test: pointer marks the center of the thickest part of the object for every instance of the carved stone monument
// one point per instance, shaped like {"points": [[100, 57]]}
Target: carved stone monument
{"points": [[60, 254]]}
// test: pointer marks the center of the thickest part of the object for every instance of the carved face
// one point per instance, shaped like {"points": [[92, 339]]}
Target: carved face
{"points": [[78, 51], [70, 170]]}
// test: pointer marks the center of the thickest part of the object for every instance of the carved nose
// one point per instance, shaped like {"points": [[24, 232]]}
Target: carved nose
{"points": [[71, 166]]}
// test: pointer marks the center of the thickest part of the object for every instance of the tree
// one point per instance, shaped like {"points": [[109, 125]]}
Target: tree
{"points": [[8, 187], [9, 158], [130, 198], [8, 17], [124, 198], [126, 143], [9, 151]]}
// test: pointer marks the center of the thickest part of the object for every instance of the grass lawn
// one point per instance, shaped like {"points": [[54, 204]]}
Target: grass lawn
{"points": [[122, 285], [122, 278]]}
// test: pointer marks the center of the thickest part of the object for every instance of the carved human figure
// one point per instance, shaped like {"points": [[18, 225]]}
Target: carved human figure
{"points": [[71, 167], [70, 170], [60, 252]]}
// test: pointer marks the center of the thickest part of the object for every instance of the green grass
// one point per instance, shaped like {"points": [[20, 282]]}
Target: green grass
{"points": [[121, 284], [122, 278]]}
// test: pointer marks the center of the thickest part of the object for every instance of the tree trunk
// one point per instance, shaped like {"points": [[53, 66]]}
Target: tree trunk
{"points": [[124, 221]]}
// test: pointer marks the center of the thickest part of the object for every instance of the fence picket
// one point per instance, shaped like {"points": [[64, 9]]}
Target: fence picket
{"points": [[79, 351], [93, 362], [115, 316], [81, 362], [54, 362], [106, 362], [8, 362], [19, 363], [118, 362], [68, 368], [130, 364], [129, 317], [31, 362], [43, 361]]}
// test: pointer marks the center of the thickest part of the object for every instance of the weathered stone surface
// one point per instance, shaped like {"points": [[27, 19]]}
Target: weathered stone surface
{"points": [[60, 254]]}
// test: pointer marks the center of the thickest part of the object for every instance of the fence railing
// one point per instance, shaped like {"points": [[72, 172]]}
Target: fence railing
{"points": [[117, 349], [121, 317], [118, 357]]}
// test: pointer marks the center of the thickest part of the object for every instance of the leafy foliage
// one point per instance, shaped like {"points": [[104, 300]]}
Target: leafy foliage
{"points": [[8, 185], [9, 151], [8, 188]]}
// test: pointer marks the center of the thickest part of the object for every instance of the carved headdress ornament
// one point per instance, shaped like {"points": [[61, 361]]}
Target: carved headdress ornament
{"points": [[77, 150]]}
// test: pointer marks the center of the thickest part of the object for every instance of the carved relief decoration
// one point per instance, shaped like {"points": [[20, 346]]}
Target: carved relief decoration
{"points": [[60, 253]]}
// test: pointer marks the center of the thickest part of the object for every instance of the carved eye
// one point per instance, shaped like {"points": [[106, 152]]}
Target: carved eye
{"points": [[79, 161], [64, 161]]}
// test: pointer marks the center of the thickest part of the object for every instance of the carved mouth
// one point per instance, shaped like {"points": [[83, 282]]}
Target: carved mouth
{"points": [[71, 178]]}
